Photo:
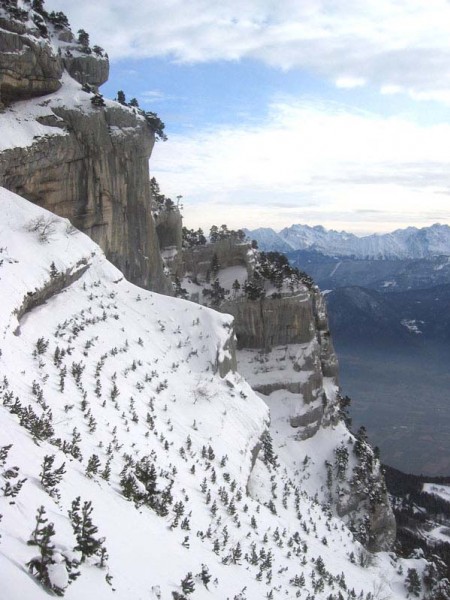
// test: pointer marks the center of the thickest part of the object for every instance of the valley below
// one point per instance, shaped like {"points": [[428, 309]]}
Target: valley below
{"points": [[402, 397]]}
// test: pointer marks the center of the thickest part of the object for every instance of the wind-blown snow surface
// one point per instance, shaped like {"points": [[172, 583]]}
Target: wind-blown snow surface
{"points": [[400, 244], [136, 374]]}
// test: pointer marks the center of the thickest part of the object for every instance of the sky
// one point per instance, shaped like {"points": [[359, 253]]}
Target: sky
{"points": [[331, 112]]}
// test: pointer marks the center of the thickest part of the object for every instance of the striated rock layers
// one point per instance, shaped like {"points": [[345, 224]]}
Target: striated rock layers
{"points": [[286, 354], [32, 59], [91, 165], [28, 68], [285, 351], [285, 344], [97, 176]]}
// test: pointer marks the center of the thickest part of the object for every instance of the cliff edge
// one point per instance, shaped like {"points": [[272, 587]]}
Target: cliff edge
{"points": [[285, 352], [70, 151]]}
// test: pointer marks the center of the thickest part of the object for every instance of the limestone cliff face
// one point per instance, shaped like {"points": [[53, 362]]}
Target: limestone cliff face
{"points": [[290, 334], [33, 55], [273, 322], [285, 351], [168, 230], [28, 68], [91, 164], [96, 176]]}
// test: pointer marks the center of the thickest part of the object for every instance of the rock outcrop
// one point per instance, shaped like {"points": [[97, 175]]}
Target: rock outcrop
{"points": [[97, 176], [285, 344], [197, 261], [91, 163], [28, 67], [285, 351]]}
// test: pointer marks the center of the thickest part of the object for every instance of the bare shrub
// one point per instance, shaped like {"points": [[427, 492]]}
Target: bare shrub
{"points": [[44, 226]]}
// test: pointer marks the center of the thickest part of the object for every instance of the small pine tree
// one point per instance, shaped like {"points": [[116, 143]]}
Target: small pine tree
{"points": [[41, 537], [12, 490], [83, 38], [106, 473], [130, 488], [4, 451], [50, 477], [156, 125], [298, 581], [93, 466], [236, 554], [412, 582], [84, 529], [121, 97], [53, 270], [146, 474], [360, 442], [205, 576], [97, 100], [187, 584], [269, 457]]}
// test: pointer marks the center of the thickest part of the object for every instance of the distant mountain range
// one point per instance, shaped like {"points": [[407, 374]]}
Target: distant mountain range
{"points": [[388, 299], [408, 243]]}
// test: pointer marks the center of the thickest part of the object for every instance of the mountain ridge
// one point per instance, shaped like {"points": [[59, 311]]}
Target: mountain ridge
{"points": [[407, 243]]}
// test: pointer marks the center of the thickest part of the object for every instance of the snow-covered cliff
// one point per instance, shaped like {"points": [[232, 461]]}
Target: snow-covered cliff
{"points": [[135, 459], [122, 387], [285, 351], [70, 151]]}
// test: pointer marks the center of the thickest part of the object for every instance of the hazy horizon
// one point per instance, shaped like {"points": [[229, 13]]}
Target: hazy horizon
{"points": [[314, 112]]}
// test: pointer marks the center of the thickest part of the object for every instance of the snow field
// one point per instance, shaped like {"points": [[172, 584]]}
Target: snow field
{"points": [[135, 374]]}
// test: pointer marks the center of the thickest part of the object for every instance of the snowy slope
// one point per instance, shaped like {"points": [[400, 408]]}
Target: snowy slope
{"points": [[136, 375], [400, 244]]}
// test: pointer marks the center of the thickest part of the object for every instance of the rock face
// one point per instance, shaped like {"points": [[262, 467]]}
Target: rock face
{"points": [[285, 351], [96, 176], [168, 229], [96, 171], [291, 336], [29, 64], [197, 261], [28, 68], [87, 69], [271, 322]]}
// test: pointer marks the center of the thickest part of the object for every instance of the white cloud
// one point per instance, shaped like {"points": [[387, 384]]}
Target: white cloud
{"points": [[350, 82], [393, 44], [390, 90], [310, 164]]}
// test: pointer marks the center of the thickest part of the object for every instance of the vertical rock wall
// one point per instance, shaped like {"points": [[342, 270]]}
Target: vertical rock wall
{"points": [[96, 174]]}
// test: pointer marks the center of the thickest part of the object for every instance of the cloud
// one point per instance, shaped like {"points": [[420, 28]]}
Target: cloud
{"points": [[152, 97], [396, 45], [350, 82], [305, 161]]}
